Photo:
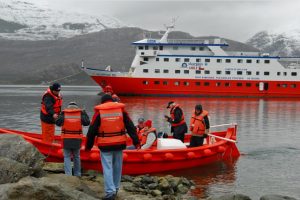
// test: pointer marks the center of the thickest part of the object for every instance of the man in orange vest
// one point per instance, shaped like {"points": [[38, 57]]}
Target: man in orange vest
{"points": [[199, 126], [176, 119], [108, 90], [109, 125], [50, 109], [72, 119], [139, 127], [149, 136]]}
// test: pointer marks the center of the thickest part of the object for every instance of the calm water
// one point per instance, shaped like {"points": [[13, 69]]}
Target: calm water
{"points": [[268, 135]]}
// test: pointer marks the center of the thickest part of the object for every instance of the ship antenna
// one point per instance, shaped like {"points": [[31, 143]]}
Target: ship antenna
{"points": [[169, 28]]}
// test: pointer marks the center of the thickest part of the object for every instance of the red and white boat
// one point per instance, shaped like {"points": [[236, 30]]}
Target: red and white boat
{"points": [[201, 68]]}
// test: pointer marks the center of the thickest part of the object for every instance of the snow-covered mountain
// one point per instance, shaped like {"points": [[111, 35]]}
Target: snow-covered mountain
{"points": [[21, 20], [282, 44]]}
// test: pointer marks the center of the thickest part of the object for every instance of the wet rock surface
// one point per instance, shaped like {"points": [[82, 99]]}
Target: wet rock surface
{"points": [[276, 197]]}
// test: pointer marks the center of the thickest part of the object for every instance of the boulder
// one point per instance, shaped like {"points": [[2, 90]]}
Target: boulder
{"points": [[163, 183], [182, 189], [16, 148], [231, 197], [276, 197]]}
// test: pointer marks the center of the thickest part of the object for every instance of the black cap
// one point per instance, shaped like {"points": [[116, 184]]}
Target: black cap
{"points": [[55, 87], [198, 107], [106, 98], [170, 103]]}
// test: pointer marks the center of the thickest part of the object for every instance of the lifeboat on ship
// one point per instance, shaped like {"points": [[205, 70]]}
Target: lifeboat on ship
{"points": [[220, 146]]}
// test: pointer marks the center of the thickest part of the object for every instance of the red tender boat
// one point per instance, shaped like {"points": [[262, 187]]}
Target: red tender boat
{"points": [[146, 161]]}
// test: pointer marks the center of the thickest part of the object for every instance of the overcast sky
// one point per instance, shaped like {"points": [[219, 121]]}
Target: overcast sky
{"points": [[233, 19]]}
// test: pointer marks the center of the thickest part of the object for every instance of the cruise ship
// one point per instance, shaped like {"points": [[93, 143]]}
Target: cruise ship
{"points": [[194, 67]]}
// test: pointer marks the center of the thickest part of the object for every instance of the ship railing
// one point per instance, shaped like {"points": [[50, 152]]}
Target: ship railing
{"points": [[290, 62], [197, 41]]}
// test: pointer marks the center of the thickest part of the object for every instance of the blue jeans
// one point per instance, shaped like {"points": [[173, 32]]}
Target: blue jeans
{"points": [[112, 171], [67, 162]]}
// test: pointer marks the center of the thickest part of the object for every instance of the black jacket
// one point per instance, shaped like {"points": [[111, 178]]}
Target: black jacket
{"points": [[49, 101], [73, 143], [93, 132]]}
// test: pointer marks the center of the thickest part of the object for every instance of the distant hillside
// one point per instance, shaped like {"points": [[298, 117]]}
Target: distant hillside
{"points": [[41, 61]]}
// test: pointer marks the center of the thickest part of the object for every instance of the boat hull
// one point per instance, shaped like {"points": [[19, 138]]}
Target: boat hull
{"points": [[143, 161]]}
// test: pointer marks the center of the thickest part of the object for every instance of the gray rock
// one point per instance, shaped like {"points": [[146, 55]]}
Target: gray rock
{"points": [[11, 171], [163, 184], [127, 178], [174, 182], [276, 197], [185, 181], [147, 179], [170, 197], [153, 186], [182, 189], [16, 148], [231, 197], [156, 193]]}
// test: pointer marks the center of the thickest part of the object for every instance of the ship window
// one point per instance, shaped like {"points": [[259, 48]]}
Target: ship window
{"points": [[156, 83], [267, 61], [193, 48], [141, 47], [228, 61], [175, 47], [177, 83], [293, 85], [198, 72], [248, 61], [227, 72], [219, 60], [206, 83], [177, 59], [157, 59], [145, 70], [207, 60], [240, 60], [186, 83], [278, 73], [165, 82], [284, 85], [257, 73], [146, 47], [146, 59], [186, 60], [155, 47], [239, 72], [177, 71], [266, 73], [145, 82], [161, 48], [257, 85], [142, 53], [248, 72], [218, 84], [166, 71], [198, 60], [278, 85], [227, 84], [201, 48], [248, 84], [257, 61], [239, 84], [219, 72], [166, 59], [294, 73], [197, 83], [186, 71], [206, 72], [284, 73], [157, 71]]}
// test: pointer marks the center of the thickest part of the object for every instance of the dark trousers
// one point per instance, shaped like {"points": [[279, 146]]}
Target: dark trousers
{"points": [[196, 141], [179, 131]]}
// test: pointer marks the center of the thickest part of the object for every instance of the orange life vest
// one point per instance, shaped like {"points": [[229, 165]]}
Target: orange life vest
{"points": [[139, 132], [57, 104], [145, 134], [182, 121], [112, 129], [72, 127], [197, 123]]}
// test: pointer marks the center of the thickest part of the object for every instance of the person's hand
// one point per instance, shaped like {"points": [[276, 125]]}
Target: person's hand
{"points": [[167, 118], [205, 135], [55, 116]]}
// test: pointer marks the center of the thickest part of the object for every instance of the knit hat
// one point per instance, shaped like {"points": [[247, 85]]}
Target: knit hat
{"points": [[106, 98], [148, 123], [198, 107], [170, 103], [141, 120], [55, 87]]}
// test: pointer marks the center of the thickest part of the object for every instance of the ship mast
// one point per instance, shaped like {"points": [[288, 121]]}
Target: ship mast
{"points": [[169, 28]]}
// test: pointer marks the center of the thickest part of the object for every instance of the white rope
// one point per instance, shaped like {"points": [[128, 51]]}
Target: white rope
{"points": [[231, 124]]}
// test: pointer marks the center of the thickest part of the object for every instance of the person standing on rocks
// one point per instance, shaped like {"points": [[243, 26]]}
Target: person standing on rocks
{"points": [[72, 119], [50, 109], [109, 125], [176, 119]]}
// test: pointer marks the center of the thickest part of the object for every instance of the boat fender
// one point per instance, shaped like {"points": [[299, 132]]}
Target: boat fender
{"points": [[125, 156], [94, 156], [169, 156], [191, 155], [60, 152], [221, 149], [207, 152], [148, 156]]}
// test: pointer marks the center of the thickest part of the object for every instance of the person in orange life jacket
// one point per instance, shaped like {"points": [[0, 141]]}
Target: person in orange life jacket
{"points": [[108, 90], [199, 126], [108, 125], [176, 119], [50, 109], [139, 127], [149, 136], [72, 119]]}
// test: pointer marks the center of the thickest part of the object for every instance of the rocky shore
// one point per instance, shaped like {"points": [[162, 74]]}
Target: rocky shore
{"points": [[24, 175]]}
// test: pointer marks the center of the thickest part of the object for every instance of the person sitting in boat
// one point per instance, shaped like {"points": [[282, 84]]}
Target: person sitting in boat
{"points": [[199, 126], [139, 127], [149, 136], [108, 90], [72, 119]]}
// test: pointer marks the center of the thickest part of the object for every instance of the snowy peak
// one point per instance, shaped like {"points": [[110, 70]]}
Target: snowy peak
{"points": [[37, 23]]}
